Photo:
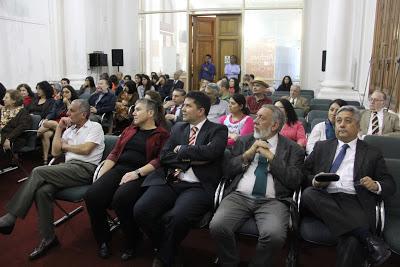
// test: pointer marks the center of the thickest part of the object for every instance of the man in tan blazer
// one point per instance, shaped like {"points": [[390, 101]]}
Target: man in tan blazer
{"points": [[376, 120], [297, 100]]}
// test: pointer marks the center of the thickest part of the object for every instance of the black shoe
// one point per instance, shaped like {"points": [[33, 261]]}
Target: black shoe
{"points": [[379, 252], [128, 254], [157, 263], [104, 251], [7, 229], [43, 247]]}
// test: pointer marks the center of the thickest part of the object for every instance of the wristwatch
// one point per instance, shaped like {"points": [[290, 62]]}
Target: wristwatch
{"points": [[138, 174]]}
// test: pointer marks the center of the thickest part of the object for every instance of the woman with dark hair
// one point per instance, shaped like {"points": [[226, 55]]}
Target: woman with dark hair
{"points": [[293, 128], [234, 87], [155, 96], [14, 120], [145, 86], [125, 100], [163, 87], [2, 93], [325, 130], [88, 87], [154, 79], [239, 122], [135, 155], [286, 83], [138, 79], [127, 78], [43, 103], [26, 93], [49, 125]]}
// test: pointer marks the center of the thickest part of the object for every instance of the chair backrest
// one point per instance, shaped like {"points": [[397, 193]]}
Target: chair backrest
{"points": [[314, 114], [299, 112], [31, 135], [319, 107], [315, 122], [388, 145], [109, 141], [305, 124], [393, 202], [304, 92], [319, 101], [85, 96]]}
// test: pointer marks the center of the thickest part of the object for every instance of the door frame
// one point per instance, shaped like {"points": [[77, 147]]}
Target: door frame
{"points": [[191, 47]]}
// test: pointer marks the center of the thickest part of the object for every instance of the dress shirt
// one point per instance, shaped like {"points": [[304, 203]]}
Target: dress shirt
{"points": [[380, 122], [232, 71], [346, 171], [246, 184], [189, 175]]}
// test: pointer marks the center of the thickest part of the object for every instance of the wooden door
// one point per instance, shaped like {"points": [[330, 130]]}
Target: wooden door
{"points": [[228, 34], [203, 35]]}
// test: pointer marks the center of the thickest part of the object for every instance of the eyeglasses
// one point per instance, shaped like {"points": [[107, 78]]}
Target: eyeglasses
{"points": [[375, 100]]}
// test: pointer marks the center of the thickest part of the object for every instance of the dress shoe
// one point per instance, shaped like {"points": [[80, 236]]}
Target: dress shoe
{"points": [[43, 247], [104, 251], [7, 229], [128, 254], [379, 252]]}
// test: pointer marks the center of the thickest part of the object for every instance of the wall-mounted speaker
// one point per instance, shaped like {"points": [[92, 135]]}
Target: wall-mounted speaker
{"points": [[117, 57], [98, 59], [323, 60]]}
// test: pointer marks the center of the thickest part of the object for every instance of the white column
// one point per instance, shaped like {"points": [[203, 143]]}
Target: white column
{"points": [[337, 82], [75, 41]]}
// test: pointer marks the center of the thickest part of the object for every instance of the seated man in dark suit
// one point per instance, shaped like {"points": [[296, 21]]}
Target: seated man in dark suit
{"points": [[266, 169], [173, 108], [193, 156], [103, 101], [347, 206], [176, 83]]}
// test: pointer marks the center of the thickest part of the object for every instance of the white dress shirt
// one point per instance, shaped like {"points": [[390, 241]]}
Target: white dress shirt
{"points": [[317, 134], [189, 175], [246, 184]]}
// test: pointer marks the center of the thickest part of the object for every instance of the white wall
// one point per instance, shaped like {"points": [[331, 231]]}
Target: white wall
{"points": [[314, 41], [43, 38]]}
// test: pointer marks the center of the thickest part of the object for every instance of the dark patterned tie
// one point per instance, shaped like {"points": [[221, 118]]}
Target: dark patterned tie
{"points": [[375, 123], [338, 160]]}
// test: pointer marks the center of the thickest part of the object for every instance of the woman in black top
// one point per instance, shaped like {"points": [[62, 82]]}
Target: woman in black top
{"points": [[286, 84], [135, 155], [43, 102]]}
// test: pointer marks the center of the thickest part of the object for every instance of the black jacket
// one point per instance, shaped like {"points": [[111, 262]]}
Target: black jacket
{"points": [[368, 162], [106, 103], [209, 147], [14, 129]]}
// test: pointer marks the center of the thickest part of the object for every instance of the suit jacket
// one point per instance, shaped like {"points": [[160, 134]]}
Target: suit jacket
{"points": [[368, 162], [178, 84], [301, 102], [106, 103], [209, 148], [391, 125], [286, 167]]}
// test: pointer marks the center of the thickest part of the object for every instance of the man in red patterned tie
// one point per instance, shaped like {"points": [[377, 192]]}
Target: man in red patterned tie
{"points": [[378, 121], [193, 155]]}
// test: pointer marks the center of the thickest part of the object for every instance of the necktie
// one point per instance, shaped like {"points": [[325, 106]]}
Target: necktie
{"points": [[260, 184], [192, 137], [173, 111], [375, 123], [292, 101], [339, 158]]}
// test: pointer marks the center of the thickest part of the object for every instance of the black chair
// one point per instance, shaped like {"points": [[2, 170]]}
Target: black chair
{"points": [[75, 194], [299, 112], [305, 92], [316, 114], [319, 101], [306, 125], [391, 214], [353, 103], [388, 145], [324, 107]]}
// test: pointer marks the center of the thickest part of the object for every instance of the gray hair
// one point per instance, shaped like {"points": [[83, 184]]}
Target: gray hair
{"points": [[355, 111], [277, 116], [84, 106], [381, 92], [214, 87]]}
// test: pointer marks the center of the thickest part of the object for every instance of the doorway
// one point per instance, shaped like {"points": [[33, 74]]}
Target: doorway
{"points": [[217, 35]]}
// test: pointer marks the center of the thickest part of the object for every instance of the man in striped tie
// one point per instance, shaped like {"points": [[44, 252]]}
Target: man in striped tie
{"points": [[167, 210], [378, 121], [347, 206], [266, 169]]}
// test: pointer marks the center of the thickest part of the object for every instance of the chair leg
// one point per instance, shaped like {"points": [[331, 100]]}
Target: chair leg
{"points": [[68, 215], [113, 222]]}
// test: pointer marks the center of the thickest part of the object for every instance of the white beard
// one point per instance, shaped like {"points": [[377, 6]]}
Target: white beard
{"points": [[261, 134]]}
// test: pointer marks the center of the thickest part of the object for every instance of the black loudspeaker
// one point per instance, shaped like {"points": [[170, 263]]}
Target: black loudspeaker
{"points": [[323, 60], [98, 60], [117, 57]]}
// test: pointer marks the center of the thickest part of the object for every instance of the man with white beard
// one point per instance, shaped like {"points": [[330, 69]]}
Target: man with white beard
{"points": [[266, 169]]}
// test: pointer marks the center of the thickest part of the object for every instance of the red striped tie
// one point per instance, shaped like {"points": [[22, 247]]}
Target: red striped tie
{"points": [[192, 137]]}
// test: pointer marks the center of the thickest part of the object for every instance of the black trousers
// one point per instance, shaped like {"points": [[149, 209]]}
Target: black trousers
{"points": [[341, 213], [105, 193], [166, 213]]}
